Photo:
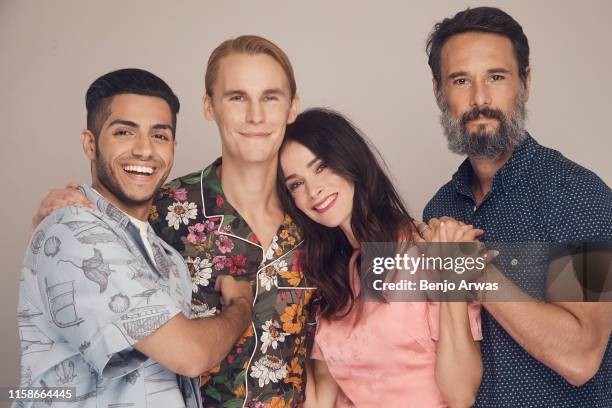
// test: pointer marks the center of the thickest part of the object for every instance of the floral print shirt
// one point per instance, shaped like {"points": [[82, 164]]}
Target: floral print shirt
{"points": [[266, 367]]}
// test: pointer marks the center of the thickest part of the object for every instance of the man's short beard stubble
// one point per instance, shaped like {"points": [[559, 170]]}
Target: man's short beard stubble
{"points": [[481, 144], [108, 179]]}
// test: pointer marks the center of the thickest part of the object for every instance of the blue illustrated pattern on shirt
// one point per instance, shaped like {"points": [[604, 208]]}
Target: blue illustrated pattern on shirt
{"points": [[89, 291]]}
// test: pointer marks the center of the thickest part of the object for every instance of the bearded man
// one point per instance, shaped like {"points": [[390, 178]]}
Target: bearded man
{"points": [[536, 352]]}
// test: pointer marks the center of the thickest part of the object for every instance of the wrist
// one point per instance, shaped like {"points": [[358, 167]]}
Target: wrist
{"points": [[240, 302]]}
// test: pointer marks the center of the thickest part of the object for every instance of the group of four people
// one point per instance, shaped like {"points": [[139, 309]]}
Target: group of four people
{"points": [[246, 290]]}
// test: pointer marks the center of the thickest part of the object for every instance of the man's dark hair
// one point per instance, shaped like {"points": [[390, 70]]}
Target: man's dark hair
{"points": [[125, 81], [480, 19]]}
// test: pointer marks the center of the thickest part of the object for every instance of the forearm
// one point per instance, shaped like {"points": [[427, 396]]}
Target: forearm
{"points": [[190, 347], [570, 338], [553, 336], [458, 361], [217, 335]]}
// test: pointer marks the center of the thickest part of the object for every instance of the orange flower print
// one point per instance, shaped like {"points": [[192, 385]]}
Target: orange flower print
{"points": [[293, 277], [205, 377], [247, 333], [153, 214], [291, 241], [293, 318], [284, 234], [295, 374], [240, 391], [278, 402]]}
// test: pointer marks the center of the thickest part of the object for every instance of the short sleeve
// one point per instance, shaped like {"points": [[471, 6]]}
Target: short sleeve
{"points": [[100, 296], [433, 318]]}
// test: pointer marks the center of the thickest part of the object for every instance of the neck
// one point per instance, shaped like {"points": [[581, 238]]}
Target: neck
{"points": [[348, 231], [139, 211], [484, 171], [250, 187]]}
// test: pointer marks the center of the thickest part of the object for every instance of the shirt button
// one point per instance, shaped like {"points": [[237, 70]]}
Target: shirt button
{"points": [[475, 208], [514, 262]]}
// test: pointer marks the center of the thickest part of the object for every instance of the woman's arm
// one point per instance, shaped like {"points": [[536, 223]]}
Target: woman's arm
{"points": [[458, 362], [321, 388]]}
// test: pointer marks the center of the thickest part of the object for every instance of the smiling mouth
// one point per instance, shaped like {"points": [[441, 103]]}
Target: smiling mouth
{"points": [[326, 204], [142, 172], [255, 134]]}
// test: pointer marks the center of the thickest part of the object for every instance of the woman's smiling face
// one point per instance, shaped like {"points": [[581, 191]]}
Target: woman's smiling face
{"points": [[319, 192]]}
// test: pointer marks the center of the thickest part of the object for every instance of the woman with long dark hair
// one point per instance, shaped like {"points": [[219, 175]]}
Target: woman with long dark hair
{"points": [[386, 354]]}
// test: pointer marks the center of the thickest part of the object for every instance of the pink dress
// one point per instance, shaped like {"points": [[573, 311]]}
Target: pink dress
{"points": [[384, 355]]}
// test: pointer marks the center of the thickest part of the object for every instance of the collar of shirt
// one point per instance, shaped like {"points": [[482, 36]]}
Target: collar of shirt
{"points": [[506, 177], [229, 221]]}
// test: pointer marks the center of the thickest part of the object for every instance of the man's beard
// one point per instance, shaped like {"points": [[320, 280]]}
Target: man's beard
{"points": [[482, 144], [108, 179]]}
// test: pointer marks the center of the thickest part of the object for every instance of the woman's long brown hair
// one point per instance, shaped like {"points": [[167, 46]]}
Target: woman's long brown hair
{"points": [[378, 215]]}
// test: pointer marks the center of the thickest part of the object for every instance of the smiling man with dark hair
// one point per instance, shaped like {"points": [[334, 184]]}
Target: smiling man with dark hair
{"points": [[104, 302]]}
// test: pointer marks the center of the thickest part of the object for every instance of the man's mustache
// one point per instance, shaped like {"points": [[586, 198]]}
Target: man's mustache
{"points": [[475, 113]]}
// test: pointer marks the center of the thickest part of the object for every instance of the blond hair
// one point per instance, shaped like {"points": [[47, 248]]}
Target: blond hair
{"points": [[251, 45]]}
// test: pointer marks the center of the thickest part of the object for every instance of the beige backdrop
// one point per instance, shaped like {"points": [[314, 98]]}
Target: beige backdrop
{"points": [[365, 59]]}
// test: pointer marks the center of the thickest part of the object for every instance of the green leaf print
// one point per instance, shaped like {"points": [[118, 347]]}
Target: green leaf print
{"points": [[213, 393], [191, 179], [233, 403], [239, 380]]}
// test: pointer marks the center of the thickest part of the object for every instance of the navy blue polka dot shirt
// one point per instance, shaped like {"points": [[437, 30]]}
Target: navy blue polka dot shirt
{"points": [[537, 196]]}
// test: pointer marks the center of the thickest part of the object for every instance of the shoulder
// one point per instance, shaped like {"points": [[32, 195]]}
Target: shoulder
{"points": [[577, 203], [69, 220], [441, 203], [568, 180], [72, 232]]}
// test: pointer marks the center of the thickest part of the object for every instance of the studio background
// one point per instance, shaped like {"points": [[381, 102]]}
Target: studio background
{"points": [[365, 59]]}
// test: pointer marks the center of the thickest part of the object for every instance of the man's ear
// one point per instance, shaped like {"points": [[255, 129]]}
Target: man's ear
{"points": [[294, 109], [207, 103], [527, 82], [88, 140]]}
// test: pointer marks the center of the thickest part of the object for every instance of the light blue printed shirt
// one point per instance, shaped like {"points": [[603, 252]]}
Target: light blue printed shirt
{"points": [[89, 291]]}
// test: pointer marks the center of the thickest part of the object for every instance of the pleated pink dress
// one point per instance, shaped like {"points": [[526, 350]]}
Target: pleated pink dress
{"points": [[384, 354]]}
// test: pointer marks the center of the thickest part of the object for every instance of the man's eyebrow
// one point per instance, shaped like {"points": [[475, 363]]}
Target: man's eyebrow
{"points": [[123, 122], [276, 91], [456, 74], [308, 165], [162, 126], [499, 70], [233, 92]]}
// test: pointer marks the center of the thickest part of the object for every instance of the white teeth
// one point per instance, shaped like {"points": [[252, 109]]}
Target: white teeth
{"points": [[139, 169], [326, 202]]}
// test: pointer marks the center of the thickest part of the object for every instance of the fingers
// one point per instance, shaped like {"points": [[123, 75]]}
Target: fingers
{"points": [[424, 231], [219, 282], [443, 232], [417, 238], [471, 235], [449, 220]]}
